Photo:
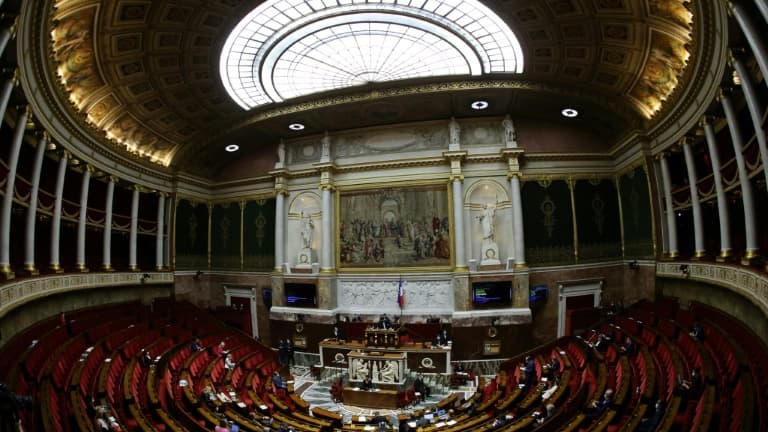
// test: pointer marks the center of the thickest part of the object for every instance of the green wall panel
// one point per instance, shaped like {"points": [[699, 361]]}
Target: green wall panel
{"points": [[225, 236], [191, 235], [548, 222], [259, 235], [597, 219], [636, 209]]}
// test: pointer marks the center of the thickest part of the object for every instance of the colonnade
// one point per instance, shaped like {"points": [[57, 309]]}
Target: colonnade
{"points": [[757, 49]]}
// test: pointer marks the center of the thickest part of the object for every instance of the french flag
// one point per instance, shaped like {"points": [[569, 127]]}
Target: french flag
{"points": [[400, 294]]}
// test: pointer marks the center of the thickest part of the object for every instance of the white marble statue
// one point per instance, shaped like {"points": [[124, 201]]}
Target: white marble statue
{"points": [[454, 134], [487, 221], [307, 228], [510, 135], [280, 155], [360, 369], [325, 151]]}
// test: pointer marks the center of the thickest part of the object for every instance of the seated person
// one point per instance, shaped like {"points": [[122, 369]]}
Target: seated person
{"points": [[442, 338], [278, 381], [229, 362], [550, 388], [549, 410], [219, 349], [221, 427], [209, 397], [196, 345], [649, 424], [367, 383], [146, 359], [697, 332], [337, 334], [602, 343], [629, 347], [598, 407], [689, 387], [380, 421], [551, 369]]}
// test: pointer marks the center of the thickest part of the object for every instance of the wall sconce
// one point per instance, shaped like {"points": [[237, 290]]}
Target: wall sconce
{"points": [[634, 265], [685, 270]]}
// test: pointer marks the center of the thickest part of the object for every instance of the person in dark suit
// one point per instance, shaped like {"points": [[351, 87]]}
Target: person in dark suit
{"points": [[649, 424], [530, 371], [384, 322], [337, 334], [367, 383], [599, 407], [552, 369], [420, 387], [697, 332]]}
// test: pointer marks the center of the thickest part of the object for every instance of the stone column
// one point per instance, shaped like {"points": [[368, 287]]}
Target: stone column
{"points": [[29, 235], [326, 234], [671, 221], [517, 220], [755, 110], [762, 5], [279, 227], [660, 198], [132, 236], [6, 34], [458, 222], [722, 199], [161, 230], [106, 260], [83, 218], [753, 35], [5, 216], [513, 154], [455, 157], [698, 221], [5, 95], [747, 199], [55, 264]]}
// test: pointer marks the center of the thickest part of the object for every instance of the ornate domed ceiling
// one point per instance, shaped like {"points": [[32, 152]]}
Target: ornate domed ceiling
{"points": [[144, 76]]}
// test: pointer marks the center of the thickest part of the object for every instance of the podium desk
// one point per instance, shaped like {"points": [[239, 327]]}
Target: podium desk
{"points": [[378, 398]]}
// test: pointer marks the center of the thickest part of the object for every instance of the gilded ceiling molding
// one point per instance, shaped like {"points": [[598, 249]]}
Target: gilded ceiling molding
{"points": [[63, 122]]}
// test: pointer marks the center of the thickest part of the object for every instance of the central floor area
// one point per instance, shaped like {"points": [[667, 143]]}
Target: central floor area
{"points": [[317, 393]]}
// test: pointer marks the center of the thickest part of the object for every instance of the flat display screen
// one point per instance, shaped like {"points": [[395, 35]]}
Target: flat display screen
{"points": [[492, 294]]}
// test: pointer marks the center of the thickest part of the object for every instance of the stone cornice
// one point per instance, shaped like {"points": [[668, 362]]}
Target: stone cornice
{"points": [[743, 281], [18, 293]]}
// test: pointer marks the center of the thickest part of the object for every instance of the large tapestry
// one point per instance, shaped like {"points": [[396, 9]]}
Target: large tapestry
{"points": [[396, 227], [225, 236], [636, 208], [259, 234], [191, 235], [597, 219], [548, 222]]}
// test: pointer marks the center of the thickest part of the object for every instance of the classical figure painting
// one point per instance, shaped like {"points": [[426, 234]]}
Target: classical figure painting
{"points": [[397, 227]]}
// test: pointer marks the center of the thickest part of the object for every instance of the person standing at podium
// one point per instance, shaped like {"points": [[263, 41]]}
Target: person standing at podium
{"points": [[384, 322]]}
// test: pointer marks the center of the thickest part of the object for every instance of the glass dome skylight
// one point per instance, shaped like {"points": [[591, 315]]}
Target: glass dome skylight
{"points": [[289, 48]]}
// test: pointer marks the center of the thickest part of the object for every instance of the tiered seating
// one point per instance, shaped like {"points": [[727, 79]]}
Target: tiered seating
{"points": [[69, 364]]}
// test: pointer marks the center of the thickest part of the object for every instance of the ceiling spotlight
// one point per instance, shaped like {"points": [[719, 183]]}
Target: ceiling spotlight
{"points": [[296, 126], [479, 105], [232, 148], [569, 112]]}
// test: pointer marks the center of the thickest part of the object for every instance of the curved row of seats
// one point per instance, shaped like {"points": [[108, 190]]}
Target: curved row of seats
{"points": [[96, 355]]}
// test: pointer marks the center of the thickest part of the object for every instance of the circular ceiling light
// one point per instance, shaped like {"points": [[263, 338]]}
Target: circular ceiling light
{"points": [[479, 105], [296, 126], [232, 148], [569, 112]]}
